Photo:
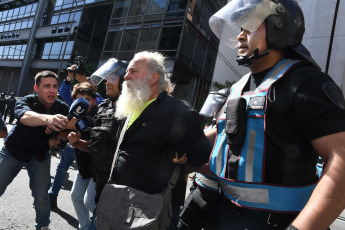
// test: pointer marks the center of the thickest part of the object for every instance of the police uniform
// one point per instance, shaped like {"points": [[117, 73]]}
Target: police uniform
{"points": [[268, 164], [103, 143]]}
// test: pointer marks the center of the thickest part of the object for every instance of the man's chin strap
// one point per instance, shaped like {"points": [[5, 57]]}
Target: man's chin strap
{"points": [[244, 60]]}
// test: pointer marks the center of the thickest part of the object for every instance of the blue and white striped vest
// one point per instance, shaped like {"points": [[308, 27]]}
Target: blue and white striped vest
{"points": [[249, 189]]}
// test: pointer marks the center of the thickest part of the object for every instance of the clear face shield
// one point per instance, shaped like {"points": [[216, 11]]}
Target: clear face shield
{"points": [[110, 71], [212, 103], [226, 24]]}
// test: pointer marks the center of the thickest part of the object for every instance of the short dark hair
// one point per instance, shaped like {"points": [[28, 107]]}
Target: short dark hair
{"points": [[84, 88], [44, 74]]}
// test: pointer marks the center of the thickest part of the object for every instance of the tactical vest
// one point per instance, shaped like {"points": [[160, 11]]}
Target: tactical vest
{"points": [[249, 190], [103, 136]]}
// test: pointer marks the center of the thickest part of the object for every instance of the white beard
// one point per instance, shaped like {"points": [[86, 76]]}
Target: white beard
{"points": [[133, 97]]}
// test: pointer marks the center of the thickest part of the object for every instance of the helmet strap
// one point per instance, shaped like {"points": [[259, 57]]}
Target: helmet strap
{"points": [[244, 60]]}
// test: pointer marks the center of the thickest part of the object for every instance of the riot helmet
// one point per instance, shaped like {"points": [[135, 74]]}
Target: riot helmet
{"points": [[110, 71], [284, 22], [214, 102], [284, 18]]}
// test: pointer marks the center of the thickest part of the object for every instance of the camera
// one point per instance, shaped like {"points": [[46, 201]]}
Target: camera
{"points": [[79, 61]]}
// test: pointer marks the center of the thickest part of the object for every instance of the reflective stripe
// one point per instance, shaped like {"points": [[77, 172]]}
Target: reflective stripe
{"points": [[250, 156], [219, 157], [277, 72], [269, 197], [206, 182], [256, 195]]}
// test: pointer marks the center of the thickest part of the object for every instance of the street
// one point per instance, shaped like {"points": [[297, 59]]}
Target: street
{"points": [[16, 209], [17, 212]]}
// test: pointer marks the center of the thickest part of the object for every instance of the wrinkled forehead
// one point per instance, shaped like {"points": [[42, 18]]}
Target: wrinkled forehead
{"points": [[137, 62]]}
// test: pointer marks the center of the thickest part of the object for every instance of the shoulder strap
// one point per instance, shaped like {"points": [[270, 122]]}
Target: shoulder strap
{"points": [[124, 128]]}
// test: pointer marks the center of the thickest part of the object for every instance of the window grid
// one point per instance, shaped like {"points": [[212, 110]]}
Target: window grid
{"points": [[13, 51], [54, 50]]}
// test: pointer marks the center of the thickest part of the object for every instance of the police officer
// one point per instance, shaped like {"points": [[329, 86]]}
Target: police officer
{"points": [[2, 104], [102, 143], [10, 103], [278, 120]]}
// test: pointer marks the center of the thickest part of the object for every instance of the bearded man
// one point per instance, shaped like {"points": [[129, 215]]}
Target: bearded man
{"points": [[159, 126]]}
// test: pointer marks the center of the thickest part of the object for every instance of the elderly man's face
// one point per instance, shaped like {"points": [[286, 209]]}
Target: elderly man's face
{"points": [[137, 70]]}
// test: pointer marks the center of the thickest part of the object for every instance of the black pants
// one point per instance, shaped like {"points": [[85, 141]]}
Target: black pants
{"points": [[198, 211], [11, 113], [230, 216]]}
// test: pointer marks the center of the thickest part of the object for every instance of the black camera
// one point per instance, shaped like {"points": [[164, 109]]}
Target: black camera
{"points": [[79, 61]]}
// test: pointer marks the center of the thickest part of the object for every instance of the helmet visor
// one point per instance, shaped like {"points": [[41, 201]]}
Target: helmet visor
{"points": [[226, 24], [110, 71], [212, 103]]}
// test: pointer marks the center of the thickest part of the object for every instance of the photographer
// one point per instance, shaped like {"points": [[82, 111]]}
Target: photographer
{"points": [[81, 74]]}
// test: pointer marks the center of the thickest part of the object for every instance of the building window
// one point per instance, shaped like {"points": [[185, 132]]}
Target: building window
{"points": [[199, 56], [148, 39], [12, 51], [155, 6], [136, 10], [113, 40], [121, 9], [129, 40], [176, 8], [66, 17], [170, 38], [187, 46], [55, 50], [176, 5]]}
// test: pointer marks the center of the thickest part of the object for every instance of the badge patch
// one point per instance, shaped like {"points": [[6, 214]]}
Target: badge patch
{"points": [[334, 93]]}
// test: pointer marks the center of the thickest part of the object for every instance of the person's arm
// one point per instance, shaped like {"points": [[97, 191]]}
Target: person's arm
{"points": [[65, 92], [65, 88], [55, 122], [328, 199], [76, 142]]}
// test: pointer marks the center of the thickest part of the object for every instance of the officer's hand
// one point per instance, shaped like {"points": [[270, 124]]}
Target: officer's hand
{"points": [[180, 161], [57, 122], [73, 138]]}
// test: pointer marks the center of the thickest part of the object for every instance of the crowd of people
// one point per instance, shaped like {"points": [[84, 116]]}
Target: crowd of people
{"points": [[256, 163]]}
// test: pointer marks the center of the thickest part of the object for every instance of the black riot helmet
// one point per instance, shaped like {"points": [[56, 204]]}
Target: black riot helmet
{"points": [[286, 27]]}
